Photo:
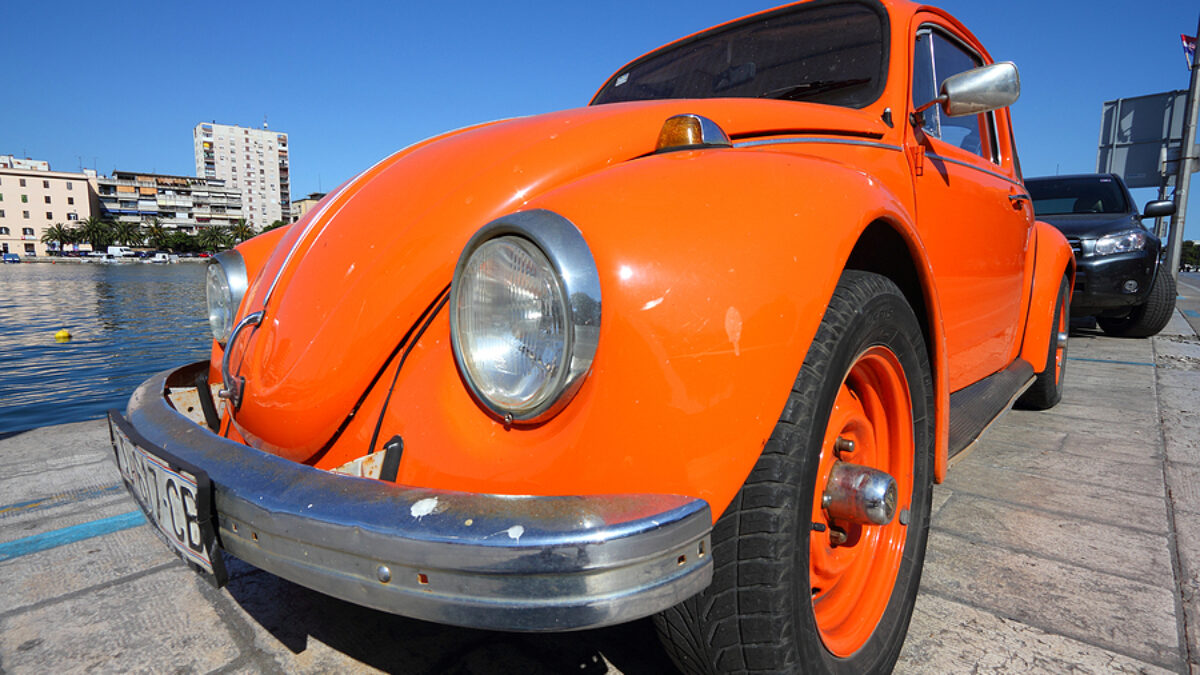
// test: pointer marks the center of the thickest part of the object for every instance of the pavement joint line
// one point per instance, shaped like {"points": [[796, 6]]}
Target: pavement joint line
{"points": [[1123, 363], [1041, 555], [1181, 608], [57, 499], [1054, 512], [69, 535], [1049, 631], [83, 592]]}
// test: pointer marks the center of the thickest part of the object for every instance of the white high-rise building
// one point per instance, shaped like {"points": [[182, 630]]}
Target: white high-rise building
{"points": [[254, 161]]}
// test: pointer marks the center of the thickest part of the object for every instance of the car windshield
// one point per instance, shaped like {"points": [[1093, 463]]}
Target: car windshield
{"points": [[1085, 194], [834, 53]]}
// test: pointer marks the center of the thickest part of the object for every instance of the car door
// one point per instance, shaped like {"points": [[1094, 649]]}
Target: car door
{"points": [[974, 215]]}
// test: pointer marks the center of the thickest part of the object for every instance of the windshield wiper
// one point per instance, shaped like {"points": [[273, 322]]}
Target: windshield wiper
{"points": [[796, 92]]}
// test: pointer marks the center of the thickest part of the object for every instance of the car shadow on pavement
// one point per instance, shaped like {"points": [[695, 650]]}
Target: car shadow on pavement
{"points": [[295, 617]]}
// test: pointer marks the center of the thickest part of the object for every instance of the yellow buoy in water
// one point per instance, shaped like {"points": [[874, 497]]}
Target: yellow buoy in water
{"points": [[62, 336]]}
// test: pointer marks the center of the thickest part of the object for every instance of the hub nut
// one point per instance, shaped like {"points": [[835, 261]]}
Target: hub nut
{"points": [[859, 494]]}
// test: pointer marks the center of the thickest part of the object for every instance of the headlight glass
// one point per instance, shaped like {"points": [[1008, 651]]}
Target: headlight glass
{"points": [[511, 325], [225, 284], [1121, 242]]}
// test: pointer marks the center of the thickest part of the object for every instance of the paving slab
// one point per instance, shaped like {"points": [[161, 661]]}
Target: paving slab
{"points": [[1066, 498], [952, 637], [87, 564], [133, 627], [1113, 613], [1127, 552], [1092, 463]]}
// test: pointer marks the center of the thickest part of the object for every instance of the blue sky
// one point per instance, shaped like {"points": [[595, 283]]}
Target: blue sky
{"points": [[119, 85]]}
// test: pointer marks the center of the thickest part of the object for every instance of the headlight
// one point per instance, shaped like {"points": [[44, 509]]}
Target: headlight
{"points": [[1121, 242], [525, 314], [225, 284]]}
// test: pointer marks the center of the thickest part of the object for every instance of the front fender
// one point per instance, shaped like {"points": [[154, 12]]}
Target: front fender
{"points": [[716, 268], [1052, 260]]}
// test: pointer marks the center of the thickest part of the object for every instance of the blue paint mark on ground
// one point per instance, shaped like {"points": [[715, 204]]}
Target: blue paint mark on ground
{"points": [[1192, 313], [70, 535], [1123, 363]]}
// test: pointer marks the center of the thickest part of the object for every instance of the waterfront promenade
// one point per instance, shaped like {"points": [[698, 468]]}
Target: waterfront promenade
{"points": [[1066, 541]]}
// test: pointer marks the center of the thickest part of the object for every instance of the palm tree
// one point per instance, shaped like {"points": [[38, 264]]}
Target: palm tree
{"points": [[214, 238], [179, 241], [95, 232], [157, 235], [274, 225], [128, 234], [56, 234], [241, 231]]}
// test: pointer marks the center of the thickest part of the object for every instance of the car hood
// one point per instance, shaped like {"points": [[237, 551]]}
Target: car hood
{"points": [[1092, 225], [349, 282]]}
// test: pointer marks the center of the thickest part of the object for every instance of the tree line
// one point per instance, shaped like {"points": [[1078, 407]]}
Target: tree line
{"points": [[100, 234]]}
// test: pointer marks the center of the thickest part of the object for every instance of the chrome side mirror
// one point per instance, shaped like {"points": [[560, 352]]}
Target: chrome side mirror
{"points": [[981, 90]]}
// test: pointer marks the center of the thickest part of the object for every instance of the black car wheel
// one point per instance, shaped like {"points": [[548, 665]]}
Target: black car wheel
{"points": [[1148, 318]]}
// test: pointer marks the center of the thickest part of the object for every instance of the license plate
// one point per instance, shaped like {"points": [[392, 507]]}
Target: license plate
{"points": [[176, 496]]}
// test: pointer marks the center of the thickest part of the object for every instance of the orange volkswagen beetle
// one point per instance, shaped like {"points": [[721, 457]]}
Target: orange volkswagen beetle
{"points": [[698, 350]]}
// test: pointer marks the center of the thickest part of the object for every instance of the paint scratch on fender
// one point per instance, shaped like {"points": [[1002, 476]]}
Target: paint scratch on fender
{"points": [[733, 328]]}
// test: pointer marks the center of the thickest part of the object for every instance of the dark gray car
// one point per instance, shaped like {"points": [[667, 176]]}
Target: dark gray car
{"points": [[1119, 277]]}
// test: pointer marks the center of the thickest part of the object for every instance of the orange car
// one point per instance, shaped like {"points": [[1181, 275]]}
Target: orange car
{"points": [[698, 350]]}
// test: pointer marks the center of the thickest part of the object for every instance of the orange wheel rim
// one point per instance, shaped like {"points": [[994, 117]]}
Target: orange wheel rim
{"points": [[853, 581]]}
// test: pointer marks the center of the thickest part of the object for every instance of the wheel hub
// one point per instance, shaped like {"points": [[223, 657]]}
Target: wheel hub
{"points": [[859, 494]]}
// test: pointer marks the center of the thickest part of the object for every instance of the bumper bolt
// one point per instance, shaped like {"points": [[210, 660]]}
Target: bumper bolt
{"points": [[384, 573]]}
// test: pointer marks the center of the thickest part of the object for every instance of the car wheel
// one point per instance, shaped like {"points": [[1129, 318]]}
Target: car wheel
{"points": [[1046, 390], [801, 581], [1148, 318]]}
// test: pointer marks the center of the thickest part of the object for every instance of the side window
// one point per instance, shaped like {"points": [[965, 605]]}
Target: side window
{"points": [[936, 57]]}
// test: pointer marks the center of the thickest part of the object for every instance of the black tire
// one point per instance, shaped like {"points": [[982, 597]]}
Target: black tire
{"points": [[1148, 318], [758, 615], [1046, 390]]}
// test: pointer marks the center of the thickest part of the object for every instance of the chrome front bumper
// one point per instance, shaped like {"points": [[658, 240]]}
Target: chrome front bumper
{"points": [[515, 563]]}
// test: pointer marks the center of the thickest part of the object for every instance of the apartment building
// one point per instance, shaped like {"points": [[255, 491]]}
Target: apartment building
{"points": [[303, 206], [252, 161], [34, 198], [176, 202]]}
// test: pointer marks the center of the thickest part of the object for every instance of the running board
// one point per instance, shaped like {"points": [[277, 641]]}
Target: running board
{"points": [[974, 409]]}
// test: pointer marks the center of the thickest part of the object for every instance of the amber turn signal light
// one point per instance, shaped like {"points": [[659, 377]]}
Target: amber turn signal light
{"points": [[682, 132]]}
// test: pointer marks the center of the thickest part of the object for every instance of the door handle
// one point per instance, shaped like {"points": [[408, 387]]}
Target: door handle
{"points": [[1017, 199]]}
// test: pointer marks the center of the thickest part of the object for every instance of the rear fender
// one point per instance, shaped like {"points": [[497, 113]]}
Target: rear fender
{"points": [[1052, 260]]}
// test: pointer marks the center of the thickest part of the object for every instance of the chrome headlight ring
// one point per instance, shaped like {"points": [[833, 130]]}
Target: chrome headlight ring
{"points": [[225, 285], [525, 314]]}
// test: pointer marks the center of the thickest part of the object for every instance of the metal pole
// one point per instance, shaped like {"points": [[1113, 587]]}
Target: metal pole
{"points": [[1187, 160]]}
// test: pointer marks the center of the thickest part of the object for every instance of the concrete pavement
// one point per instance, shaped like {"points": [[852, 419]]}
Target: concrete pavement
{"points": [[1067, 541]]}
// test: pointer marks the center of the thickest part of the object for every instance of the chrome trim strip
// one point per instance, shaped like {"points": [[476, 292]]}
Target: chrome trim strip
{"points": [[568, 252], [232, 389], [818, 139], [497, 562], [977, 168]]}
